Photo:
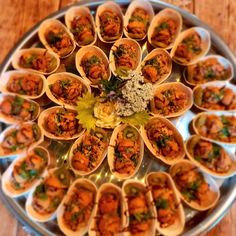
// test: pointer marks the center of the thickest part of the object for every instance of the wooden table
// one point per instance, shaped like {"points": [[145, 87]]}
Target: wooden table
{"points": [[18, 16]]}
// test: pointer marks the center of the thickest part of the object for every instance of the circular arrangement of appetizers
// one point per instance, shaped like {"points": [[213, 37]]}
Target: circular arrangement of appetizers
{"points": [[110, 105]]}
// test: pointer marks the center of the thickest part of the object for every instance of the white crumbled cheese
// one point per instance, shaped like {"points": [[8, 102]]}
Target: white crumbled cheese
{"points": [[135, 95]]}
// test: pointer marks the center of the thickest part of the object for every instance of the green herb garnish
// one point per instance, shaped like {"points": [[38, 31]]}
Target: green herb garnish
{"points": [[161, 203]]}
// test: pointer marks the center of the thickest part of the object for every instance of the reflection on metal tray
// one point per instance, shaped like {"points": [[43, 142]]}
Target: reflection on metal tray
{"points": [[197, 222]]}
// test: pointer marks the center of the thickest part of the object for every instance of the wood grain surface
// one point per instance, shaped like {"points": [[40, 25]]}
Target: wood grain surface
{"points": [[18, 16]]}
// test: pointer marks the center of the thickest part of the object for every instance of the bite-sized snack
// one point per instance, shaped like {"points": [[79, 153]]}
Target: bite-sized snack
{"points": [[209, 68], [219, 126], [65, 88], [141, 221], [24, 172], [24, 83], [210, 157], [76, 210], [109, 21], [125, 152], [156, 66], [190, 46], [165, 28], [16, 109], [109, 217], [171, 99], [37, 60], [216, 95], [88, 152], [169, 210], [60, 123], [163, 140], [197, 190], [92, 64], [56, 37], [16, 139], [44, 199], [125, 56], [81, 23], [137, 19]]}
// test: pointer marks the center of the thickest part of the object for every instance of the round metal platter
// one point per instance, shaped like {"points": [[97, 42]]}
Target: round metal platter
{"points": [[196, 222]]}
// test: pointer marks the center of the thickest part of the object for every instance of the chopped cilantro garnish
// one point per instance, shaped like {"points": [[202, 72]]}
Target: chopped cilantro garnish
{"points": [[144, 216], [161, 203]]}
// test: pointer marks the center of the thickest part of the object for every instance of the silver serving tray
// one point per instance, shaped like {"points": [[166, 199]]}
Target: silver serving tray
{"points": [[197, 222]]}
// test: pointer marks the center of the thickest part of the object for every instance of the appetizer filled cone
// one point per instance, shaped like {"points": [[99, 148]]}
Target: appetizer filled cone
{"points": [[215, 96], [125, 56], [163, 140], [156, 67], [16, 109], [218, 126], [109, 217], [211, 157], [168, 208], [88, 152], [140, 210], [60, 123], [196, 189], [125, 151], [92, 64], [38, 60], [65, 88], [77, 208], [77, 17], [190, 46], [109, 30], [56, 37], [26, 84], [137, 19], [25, 172], [209, 68], [171, 99], [16, 139], [165, 28], [45, 198]]}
